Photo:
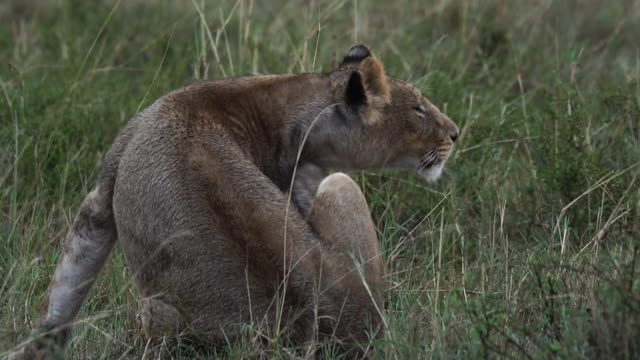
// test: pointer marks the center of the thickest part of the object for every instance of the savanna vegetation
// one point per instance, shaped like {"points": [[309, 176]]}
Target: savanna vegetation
{"points": [[528, 247]]}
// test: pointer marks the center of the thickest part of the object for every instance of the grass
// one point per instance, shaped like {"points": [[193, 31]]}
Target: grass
{"points": [[528, 247]]}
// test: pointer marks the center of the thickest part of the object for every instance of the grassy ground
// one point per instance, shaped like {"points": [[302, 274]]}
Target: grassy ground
{"points": [[528, 247]]}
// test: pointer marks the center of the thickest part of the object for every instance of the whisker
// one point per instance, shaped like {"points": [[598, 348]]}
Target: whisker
{"points": [[428, 159]]}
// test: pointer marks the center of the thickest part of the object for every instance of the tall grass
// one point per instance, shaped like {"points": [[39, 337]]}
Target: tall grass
{"points": [[528, 247]]}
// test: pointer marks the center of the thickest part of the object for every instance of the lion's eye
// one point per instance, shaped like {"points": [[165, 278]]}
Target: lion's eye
{"points": [[420, 109]]}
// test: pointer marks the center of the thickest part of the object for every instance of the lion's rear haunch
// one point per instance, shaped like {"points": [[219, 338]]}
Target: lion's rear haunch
{"points": [[198, 188]]}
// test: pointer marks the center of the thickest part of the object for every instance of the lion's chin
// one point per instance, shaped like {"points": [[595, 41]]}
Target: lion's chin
{"points": [[432, 173]]}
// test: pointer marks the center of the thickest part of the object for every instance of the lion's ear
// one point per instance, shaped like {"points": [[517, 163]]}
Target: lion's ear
{"points": [[367, 90], [375, 80]]}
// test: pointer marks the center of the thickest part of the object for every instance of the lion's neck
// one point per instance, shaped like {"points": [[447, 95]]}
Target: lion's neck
{"points": [[286, 114]]}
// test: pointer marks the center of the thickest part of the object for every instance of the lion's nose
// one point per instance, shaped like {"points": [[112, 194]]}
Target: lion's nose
{"points": [[454, 134]]}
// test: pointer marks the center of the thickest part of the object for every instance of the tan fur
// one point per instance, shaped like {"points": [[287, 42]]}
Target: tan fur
{"points": [[375, 83], [196, 188]]}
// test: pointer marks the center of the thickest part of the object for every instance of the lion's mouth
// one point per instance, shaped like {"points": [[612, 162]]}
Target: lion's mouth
{"points": [[429, 159], [430, 165]]}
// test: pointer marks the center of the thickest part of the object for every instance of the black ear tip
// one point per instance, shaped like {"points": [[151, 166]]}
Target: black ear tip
{"points": [[356, 54], [359, 50]]}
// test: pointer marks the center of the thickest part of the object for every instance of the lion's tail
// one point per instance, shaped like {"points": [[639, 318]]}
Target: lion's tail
{"points": [[86, 250]]}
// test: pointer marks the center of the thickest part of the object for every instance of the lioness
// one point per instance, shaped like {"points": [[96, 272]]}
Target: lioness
{"points": [[197, 188]]}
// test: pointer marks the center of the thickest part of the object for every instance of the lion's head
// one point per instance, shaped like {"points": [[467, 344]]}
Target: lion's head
{"points": [[382, 122]]}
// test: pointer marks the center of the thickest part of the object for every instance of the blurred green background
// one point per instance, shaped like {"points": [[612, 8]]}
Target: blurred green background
{"points": [[527, 247]]}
